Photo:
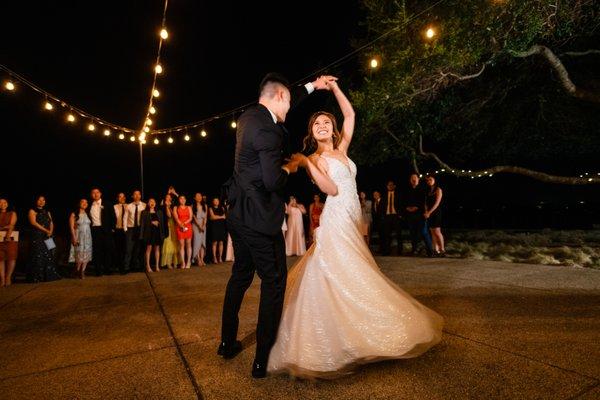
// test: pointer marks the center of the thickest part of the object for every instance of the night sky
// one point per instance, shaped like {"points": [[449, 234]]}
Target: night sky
{"points": [[99, 56]]}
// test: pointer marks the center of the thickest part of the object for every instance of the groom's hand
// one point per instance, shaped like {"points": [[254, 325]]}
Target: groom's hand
{"points": [[321, 83]]}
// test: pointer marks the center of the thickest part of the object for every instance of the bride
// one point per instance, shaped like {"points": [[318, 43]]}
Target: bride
{"points": [[340, 311]]}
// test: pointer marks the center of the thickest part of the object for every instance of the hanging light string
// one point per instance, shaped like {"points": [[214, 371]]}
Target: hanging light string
{"points": [[158, 69], [51, 100]]}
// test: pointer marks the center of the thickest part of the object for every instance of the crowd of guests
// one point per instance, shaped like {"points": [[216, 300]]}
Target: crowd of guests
{"points": [[416, 208], [170, 233], [124, 236]]}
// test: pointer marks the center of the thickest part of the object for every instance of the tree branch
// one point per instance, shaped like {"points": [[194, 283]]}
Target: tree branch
{"points": [[540, 176], [563, 74], [580, 53]]}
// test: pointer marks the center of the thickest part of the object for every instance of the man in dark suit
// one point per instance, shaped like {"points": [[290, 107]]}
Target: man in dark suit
{"points": [[256, 212], [391, 211], [103, 225], [377, 214]]}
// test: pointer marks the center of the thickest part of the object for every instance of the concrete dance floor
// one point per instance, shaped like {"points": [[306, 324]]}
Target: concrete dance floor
{"points": [[513, 331]]}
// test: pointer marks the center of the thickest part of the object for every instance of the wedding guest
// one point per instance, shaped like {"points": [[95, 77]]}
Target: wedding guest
{"points": [[9, 244], [295, 242], [170, 248], [103, 224], [433, 214], [42, 265], [314, 211], [200, 213], [183, 220], [415, 215], [367, 218], [377, 216], [174, 195], [218, 230], [119, 236], [152, 233], [81, 238], [391, 221], [133, 245]]}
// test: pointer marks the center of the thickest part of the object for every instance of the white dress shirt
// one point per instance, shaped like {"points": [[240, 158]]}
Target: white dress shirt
{"points": [[130, 214], [120, 212], [95, 213]]}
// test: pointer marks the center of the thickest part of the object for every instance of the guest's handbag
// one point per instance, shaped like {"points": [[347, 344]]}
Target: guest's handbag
{"points": [[50, 245], [14, 236]]}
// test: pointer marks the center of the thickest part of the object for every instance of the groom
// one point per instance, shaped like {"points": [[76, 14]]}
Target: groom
{"points": [[256, 212]]}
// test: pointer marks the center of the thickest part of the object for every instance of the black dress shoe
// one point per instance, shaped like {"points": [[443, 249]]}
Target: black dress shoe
{"points": [[259, 370], [229, 351]]}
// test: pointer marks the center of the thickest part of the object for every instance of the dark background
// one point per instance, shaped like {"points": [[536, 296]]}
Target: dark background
{"points": [[99, 56]]}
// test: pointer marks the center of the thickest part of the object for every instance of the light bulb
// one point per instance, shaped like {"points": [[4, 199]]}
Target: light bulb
{"points": [[155, 93], [106, 132], [374, 63], [9, 85], [156, 141], [170, 140], [146, 129], [163, 33], [233, 124], [203, 133], [158, 69], [430, 33], [152, 110], [91, 127], [48, 106], [148, 121], [142, 136], [186, 138], [132, 138], [71, 118], [121, 136]]}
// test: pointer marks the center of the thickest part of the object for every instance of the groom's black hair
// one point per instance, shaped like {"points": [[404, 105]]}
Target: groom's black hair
{"points": [[273, 77]]}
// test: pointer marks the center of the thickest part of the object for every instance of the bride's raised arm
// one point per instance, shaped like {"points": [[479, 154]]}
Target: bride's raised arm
{"points": [[347, 112]]}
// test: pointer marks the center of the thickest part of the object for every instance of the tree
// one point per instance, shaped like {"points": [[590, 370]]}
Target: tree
{"points": [[482, 82]]}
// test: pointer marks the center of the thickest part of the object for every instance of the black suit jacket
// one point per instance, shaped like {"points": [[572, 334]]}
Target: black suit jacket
{"points": [[383, 205], [255, 191], [108, 217]]}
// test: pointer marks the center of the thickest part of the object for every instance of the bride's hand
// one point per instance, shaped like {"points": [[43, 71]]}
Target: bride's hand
{"points": [[321, 83], [332, 85]]}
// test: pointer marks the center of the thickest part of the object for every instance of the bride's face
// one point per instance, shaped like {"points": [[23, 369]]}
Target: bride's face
{"points": [[322, 128]]}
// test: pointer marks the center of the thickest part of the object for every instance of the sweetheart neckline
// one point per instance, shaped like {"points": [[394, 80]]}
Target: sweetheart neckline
{"points": [[347, 165]]}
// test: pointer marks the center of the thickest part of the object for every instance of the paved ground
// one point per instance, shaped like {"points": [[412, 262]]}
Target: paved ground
{"points": [[512, 331]]}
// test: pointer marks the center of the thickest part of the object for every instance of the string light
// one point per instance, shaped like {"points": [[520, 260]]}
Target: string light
{"points": [[152, 110], [146, 129], [9, 86], [121, 136], [203, 133], [430, 33], [374, 63], [148, 122], [164, 34], [158, 69], [106, 132], [170, 140], [71, 118], [156, 141], [142, 136], [132, 138], [233, 124], [186, 138], [91, 127], [48, 106], [155, 93]]}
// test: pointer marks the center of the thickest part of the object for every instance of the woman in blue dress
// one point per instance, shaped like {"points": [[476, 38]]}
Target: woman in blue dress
{"points": [[81, 238]]}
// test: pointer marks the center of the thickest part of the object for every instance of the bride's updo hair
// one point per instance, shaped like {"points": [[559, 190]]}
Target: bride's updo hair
{"points": [[310, 143]]}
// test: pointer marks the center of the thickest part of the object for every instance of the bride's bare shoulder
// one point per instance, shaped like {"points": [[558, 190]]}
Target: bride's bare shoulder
{"points": [[319, 161]]}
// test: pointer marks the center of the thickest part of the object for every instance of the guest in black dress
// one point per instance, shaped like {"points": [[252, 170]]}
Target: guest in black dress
{"points": [[218, 230], [42, 267], [434, 215], [152, 233]]}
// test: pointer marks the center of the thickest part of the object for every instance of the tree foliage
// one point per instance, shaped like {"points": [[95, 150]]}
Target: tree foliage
{"points": [[472, 91]]}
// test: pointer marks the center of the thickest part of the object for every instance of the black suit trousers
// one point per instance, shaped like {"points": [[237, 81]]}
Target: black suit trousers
{"points": [[264, 254], [391, 223], [103, 248]]}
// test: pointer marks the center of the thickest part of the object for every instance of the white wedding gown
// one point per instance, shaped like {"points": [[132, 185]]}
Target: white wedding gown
{"points": [[340, 311]]}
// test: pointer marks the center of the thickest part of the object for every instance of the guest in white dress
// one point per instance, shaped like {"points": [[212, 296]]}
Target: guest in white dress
{"points": [[295, 241], [367, 218], [200, 217], [81, 238]]}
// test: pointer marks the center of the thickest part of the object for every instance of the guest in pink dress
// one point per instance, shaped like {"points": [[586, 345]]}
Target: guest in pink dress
{"points": [[295, 242], [183, 219]]}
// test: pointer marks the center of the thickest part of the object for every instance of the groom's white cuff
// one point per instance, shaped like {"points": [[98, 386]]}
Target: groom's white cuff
{"points": [[309, 87]]}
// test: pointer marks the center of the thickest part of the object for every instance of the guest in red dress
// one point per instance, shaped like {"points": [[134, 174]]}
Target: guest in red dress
{"points": [[314, 211], [183, 218]]}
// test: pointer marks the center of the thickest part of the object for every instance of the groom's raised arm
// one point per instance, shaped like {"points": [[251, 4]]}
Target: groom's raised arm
{"points": [[299, 93]]}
